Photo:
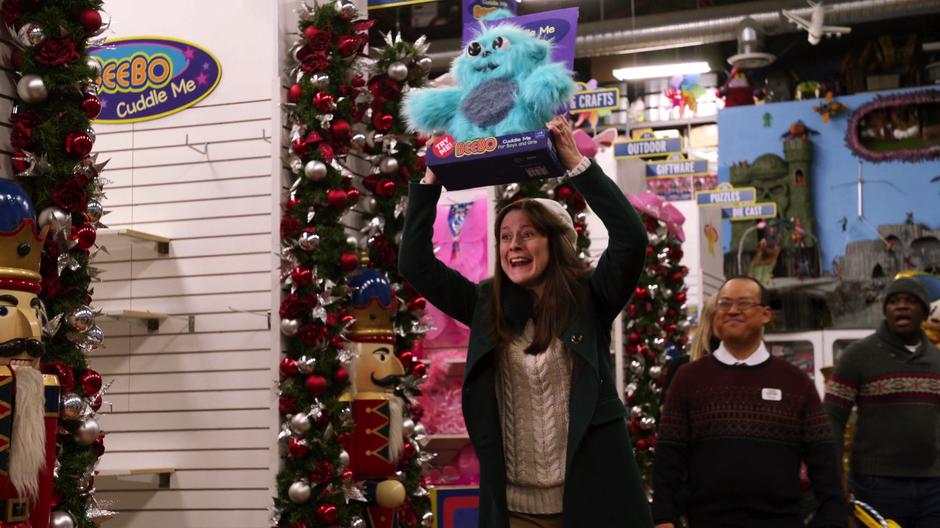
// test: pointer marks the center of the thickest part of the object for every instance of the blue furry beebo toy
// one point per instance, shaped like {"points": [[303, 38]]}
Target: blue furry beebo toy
{"points": [[506, 84]]}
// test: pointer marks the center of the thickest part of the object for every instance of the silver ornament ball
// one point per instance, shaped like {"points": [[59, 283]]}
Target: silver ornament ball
{"points": [[32, 89], [397, 71], [61, 519], [81, 318], [630, 390], [656, 371], [299, 423], [87, 432], [358, 141], [647, 423], [369, 204], [95, 336], [425, 63], [308, 241], [94, 211], [31, 35], [343, 458], [321, 81], [352, 241], [296, 165], [636, 411], [388, 165], [407, 427], [347, 10], [55, 218], [427, 520], [299, 492], [289, 327], [72, 406], [378, 138], [357, 522], [93, 65], [315, 170], [420, 430]]}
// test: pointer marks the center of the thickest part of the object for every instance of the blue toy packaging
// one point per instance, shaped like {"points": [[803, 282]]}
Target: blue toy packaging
{"points": [[494, 160]]}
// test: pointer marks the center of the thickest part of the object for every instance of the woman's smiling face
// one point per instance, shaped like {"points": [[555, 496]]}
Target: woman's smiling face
{"points": [[523, 251]]}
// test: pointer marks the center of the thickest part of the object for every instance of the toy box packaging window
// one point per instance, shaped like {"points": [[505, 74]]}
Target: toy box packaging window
{"points": [[494, 160]]}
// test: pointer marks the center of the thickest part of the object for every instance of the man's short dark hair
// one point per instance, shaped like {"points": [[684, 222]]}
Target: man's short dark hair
{"points": [[764, 294]]}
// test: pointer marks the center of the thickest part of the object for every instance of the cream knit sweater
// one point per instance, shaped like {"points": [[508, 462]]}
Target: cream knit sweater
{"points": [[533, 392]]}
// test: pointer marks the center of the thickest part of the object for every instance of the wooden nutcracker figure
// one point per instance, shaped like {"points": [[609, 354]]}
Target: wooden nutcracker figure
{"points": [[29, 400], [377, 437]]}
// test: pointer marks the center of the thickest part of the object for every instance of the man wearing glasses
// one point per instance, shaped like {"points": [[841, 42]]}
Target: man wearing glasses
{"points": [[737, 424]]}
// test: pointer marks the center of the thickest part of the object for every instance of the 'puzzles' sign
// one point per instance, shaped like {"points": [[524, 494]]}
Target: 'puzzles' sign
{"points": [[146, 78]]}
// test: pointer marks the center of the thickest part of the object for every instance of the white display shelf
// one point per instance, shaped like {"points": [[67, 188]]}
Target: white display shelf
{"points": [[151, 319], [135, 236], [163, 474]]}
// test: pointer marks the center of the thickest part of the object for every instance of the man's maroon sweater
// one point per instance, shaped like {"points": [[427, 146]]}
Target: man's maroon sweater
{"points": [[737, 434]]}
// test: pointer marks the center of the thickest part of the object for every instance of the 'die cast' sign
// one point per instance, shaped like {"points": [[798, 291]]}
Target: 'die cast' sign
{"points": [[150, 77]]}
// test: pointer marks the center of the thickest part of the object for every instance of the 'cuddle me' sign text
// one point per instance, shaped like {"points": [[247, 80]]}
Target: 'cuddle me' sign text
{"points": [[150, 77]]}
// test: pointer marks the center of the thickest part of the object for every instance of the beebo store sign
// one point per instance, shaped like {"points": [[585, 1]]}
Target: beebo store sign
{"points": [[151, 77]]}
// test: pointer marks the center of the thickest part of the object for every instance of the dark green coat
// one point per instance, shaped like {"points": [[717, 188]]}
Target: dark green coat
{"points": [[602, 483]]}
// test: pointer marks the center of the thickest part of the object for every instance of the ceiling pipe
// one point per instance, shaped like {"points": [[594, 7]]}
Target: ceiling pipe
{"points": [[610, 37]]}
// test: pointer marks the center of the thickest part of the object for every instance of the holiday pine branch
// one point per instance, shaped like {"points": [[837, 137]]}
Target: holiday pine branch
{"points": [[348, 159], [52, 139]]}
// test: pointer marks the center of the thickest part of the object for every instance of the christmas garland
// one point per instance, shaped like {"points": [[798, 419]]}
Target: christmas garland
{"points": [[350, 159], [52, 140], [655, 329]]}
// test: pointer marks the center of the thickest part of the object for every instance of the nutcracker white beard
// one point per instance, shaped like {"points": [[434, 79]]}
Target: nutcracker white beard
{"points": [[395, 440], [27, 447]]}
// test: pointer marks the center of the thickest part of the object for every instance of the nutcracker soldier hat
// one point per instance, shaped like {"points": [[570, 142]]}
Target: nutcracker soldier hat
{"points": [[373, 305], [20, 240]]}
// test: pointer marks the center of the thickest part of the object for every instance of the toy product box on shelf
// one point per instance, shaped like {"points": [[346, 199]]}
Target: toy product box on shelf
{"points": [[455, 506], [494, 160]]}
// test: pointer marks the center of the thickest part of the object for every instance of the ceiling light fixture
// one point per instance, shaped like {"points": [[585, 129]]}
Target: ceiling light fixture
{"points": [[661, 70]]}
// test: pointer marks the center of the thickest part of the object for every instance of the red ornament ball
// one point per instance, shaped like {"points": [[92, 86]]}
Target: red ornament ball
{"points": [[289, 368], [641, 443], [293, 93], [286, 405], [631, 309], [347, 475], [563, 192], [92, 106], [326, 514], [677, 276], [85, 236], [680, 297], [340, 376], [315, 385], [408, 450], [301, 276], [90, 382], [352, 196], [406, 358], [671, 328], [383, 122], [297, 448], [299, 146], [338, 342], [419, 369], [640, 293], [634, 337], [90, 20], [418, 304], [98, 446], [385, 187], [78, 143], [348, 261], [336, 198], [416, 410]]}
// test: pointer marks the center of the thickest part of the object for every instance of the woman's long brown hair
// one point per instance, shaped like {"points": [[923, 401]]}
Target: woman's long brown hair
{"points": [[564, 282]]}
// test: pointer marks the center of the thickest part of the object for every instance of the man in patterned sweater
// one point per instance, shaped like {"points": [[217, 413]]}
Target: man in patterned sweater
{"points": [[893, 377], [736, 426]]}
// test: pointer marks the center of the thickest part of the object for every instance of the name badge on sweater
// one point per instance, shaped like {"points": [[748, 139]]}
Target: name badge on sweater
{"points": [[771, 394]]}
